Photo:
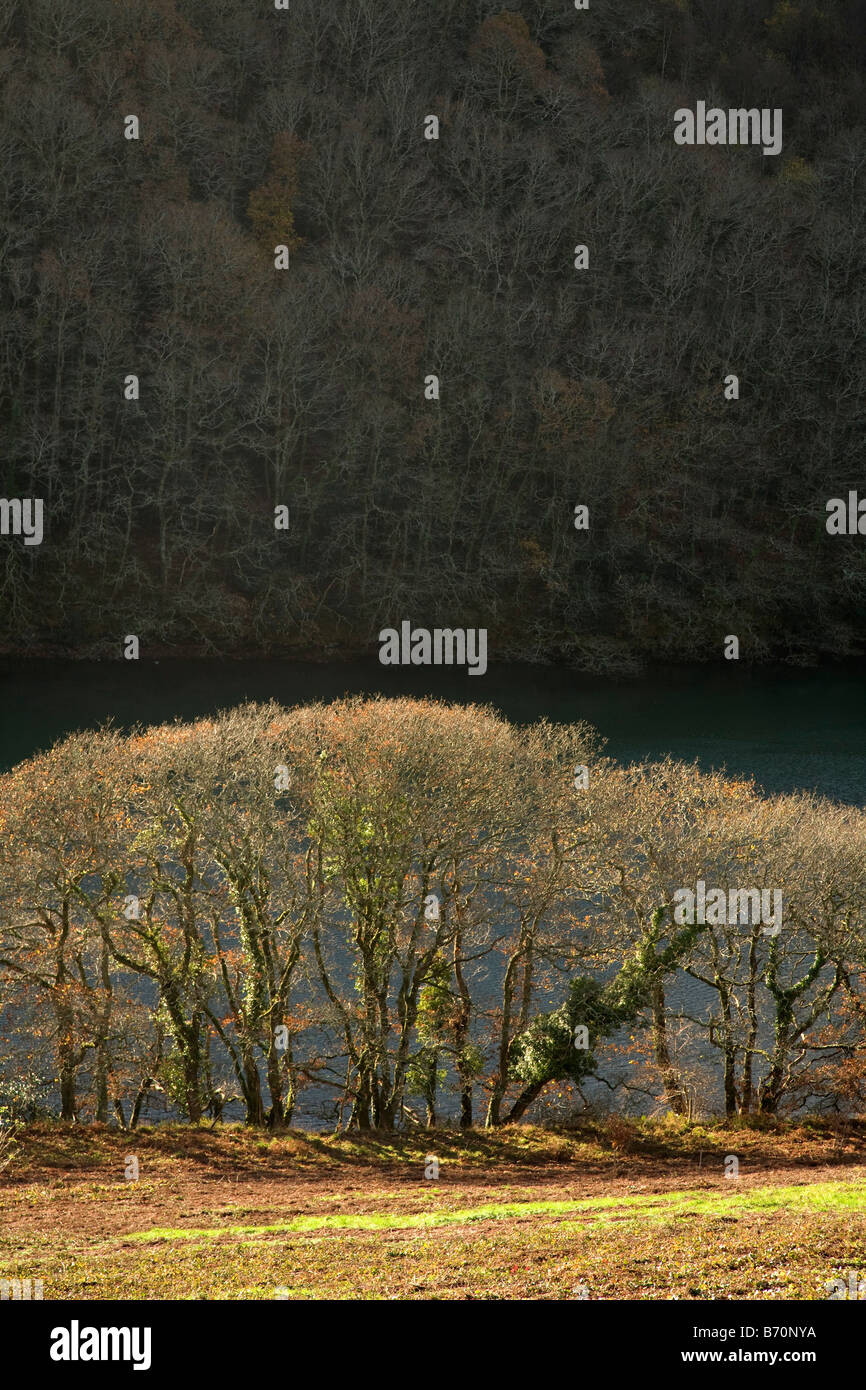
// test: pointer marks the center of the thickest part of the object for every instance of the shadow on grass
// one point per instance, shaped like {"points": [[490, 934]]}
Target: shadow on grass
{"points": [[592, 1146]]}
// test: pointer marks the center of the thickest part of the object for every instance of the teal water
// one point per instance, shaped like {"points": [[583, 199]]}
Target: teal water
{"points": [[789, 728]]}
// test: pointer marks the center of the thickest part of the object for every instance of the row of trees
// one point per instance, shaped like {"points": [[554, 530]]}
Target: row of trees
{"points": [[420, 911], [454, 257]]}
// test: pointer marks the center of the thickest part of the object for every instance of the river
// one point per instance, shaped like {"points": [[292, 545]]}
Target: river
{"points": [[789, 727]]}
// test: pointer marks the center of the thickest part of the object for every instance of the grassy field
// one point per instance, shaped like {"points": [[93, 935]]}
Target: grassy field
{"points": [[605, 1211]]}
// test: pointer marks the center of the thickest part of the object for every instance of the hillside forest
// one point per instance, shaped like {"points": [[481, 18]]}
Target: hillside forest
{"points": [[308, 387]]}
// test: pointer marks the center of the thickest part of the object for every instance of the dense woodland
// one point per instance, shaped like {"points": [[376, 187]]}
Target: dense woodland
{"points": [[420, 912], [409, 257]]}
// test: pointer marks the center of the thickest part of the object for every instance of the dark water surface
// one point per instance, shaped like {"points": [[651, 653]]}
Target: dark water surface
{"points": [[790, 728]]}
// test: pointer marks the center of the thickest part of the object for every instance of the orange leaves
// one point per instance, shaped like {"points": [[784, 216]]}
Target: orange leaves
{"points": [[270, 205], [570, 409], [506, 37]]}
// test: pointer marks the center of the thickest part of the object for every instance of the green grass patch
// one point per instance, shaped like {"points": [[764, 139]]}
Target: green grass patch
{"points": [[834, 1198]]}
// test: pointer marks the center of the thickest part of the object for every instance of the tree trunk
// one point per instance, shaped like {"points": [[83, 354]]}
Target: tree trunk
{"points": [[672, 1088], [276, 1117], [728, 1052], [140, 1097], [461, 1036], [523, 1102], [500, 1081], [67, 1091], [252, 1086], [747, 1095]]}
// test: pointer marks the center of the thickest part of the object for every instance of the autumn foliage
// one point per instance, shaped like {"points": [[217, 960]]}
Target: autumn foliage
{"points": [[388, 912], [270, 207]]}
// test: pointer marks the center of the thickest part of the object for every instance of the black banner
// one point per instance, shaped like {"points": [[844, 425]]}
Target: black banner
{"points": [[81, 1341]]}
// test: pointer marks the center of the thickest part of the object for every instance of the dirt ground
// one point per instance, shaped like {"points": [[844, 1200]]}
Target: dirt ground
{"points": [[231, 1214]]}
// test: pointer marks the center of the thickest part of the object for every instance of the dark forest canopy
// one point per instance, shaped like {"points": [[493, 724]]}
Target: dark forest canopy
{"points": [[410, 257]]}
